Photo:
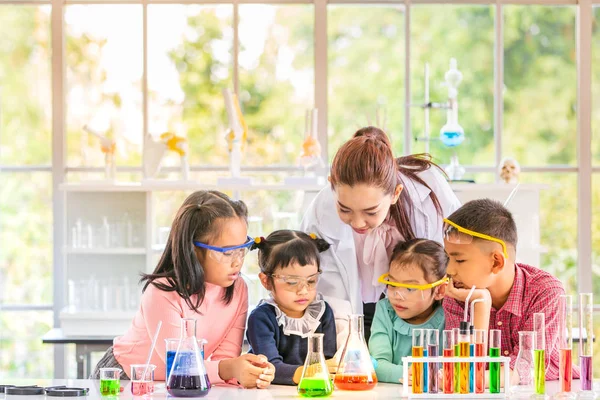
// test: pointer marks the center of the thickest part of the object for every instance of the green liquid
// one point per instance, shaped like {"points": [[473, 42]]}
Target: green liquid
{"points": [[315, 387], [539, 371], [457, 370], [494, 371], [110, 387]]}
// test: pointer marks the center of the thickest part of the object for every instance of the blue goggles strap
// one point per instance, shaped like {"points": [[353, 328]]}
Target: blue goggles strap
{"points": [[224, 249]]}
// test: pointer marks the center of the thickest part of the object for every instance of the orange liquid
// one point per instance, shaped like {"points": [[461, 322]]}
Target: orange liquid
{"points": [[355, 382]]}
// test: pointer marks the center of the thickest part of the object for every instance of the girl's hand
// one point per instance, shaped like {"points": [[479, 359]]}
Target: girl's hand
{"points": [[409, 377], [250, 370]]}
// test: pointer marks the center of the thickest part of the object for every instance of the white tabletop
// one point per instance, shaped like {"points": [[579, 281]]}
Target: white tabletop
{"points": [[382, 391]]}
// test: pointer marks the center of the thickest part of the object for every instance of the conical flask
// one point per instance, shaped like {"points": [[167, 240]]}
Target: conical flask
{"points": [[523, 370], [187, 377], [315, 381], [355, 371]]}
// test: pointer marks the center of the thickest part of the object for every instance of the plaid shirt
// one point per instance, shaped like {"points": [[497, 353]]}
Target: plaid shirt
{"points": [[533, 291]]}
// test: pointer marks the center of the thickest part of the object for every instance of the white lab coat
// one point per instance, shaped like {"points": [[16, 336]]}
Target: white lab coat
{"points": [[340, 281]]}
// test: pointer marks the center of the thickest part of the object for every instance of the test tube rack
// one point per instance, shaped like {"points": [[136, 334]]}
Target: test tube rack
{"points": [[505, 361]]}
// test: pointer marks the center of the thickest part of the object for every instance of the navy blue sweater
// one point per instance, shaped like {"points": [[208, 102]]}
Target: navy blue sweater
{"points": [[286, 352]]}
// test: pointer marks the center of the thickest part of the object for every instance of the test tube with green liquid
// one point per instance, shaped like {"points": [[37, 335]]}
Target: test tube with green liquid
{"points": [[539, 353], [495, 344]]}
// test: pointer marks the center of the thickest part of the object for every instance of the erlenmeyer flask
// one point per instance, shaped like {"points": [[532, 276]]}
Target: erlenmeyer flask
{"points": [[187, 377], [523, 382], [356, 371], [315, 381]]}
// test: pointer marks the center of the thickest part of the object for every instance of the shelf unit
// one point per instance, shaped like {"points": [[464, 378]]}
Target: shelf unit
{"points": [[92, 201]]}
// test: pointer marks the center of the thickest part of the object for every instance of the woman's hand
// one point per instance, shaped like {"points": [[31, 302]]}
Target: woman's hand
{"points": [[250, 370]]}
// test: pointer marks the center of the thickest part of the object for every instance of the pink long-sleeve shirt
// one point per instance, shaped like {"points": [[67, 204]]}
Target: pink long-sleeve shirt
{"points": [[221, 325]]}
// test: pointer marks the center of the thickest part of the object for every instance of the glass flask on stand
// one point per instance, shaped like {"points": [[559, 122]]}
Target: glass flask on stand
{"points": [[315, 381], [355, 371], [523, 383], [188, 377]]}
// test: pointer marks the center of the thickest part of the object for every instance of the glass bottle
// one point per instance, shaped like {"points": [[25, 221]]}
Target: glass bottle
{"points": [[188, 377], [355, 371], [315, 381], [523, 384]]}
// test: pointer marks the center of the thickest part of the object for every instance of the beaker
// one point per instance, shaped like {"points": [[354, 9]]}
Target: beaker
{"points": [[315, 380], [171, 345], [355, 371], [188, 377], [523, 369], [110, 381], [142, 379]]}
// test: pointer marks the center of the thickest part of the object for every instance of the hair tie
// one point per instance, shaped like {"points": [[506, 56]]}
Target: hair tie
{"points": [[313, 236], [259, 239]]}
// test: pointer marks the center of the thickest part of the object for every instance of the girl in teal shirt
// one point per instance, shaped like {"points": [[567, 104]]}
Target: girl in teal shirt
{"points": [[416, 284]]}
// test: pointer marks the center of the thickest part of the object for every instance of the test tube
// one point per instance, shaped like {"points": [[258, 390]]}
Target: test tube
{"points": [[479, 344], [433, 336], [464, 341], [417, 368], [471, 354], [565, 342], [495, 344], [456, 333], [448, 337], [539, 353], [586, 339]]}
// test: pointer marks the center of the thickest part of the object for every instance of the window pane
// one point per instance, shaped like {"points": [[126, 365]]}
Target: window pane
{"points": [[104, 81], [276, 79], [22, 353], [558, 225], [189, 63], [466, 33], [25, 238], [540, 78], [365, 71], [596, 88], [25, 87]]}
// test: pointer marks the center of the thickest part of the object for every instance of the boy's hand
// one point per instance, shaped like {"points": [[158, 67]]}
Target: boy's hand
{"points": [[461, 294], [332, 365]]}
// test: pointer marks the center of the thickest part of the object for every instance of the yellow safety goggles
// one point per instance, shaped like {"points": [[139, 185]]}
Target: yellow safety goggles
{"points": [[407, 291], [456, 234]]}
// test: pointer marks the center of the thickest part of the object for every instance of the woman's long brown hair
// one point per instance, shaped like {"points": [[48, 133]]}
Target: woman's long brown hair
{"points": [[367, 158]]}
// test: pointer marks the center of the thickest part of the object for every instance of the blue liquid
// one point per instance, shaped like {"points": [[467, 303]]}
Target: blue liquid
{"points": [[452, 139], [425, 373], [188, 386], [170, 357], [472, 370]]}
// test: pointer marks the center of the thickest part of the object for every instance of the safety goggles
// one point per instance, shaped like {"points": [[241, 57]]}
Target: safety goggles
{"points": [[456, 234], [408, 291], [293, 283], [225, 255]]}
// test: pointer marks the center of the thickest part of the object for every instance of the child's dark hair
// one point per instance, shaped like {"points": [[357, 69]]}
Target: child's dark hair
{"points": [[284, 247], [427, 254], [196, 220], [489, 217]]}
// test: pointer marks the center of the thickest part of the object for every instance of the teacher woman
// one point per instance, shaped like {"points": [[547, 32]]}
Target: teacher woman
{"points": [[373, 201]]}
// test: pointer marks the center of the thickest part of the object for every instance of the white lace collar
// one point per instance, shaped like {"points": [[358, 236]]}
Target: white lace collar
{"points": [[303, 326]]}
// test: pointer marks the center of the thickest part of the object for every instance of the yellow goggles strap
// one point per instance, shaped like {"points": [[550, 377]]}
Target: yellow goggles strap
{"points": [[479, 235], [383, 279]]}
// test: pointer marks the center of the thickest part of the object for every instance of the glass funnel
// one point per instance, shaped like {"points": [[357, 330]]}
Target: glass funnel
{"points": [[188, 377], [355, 371]]}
